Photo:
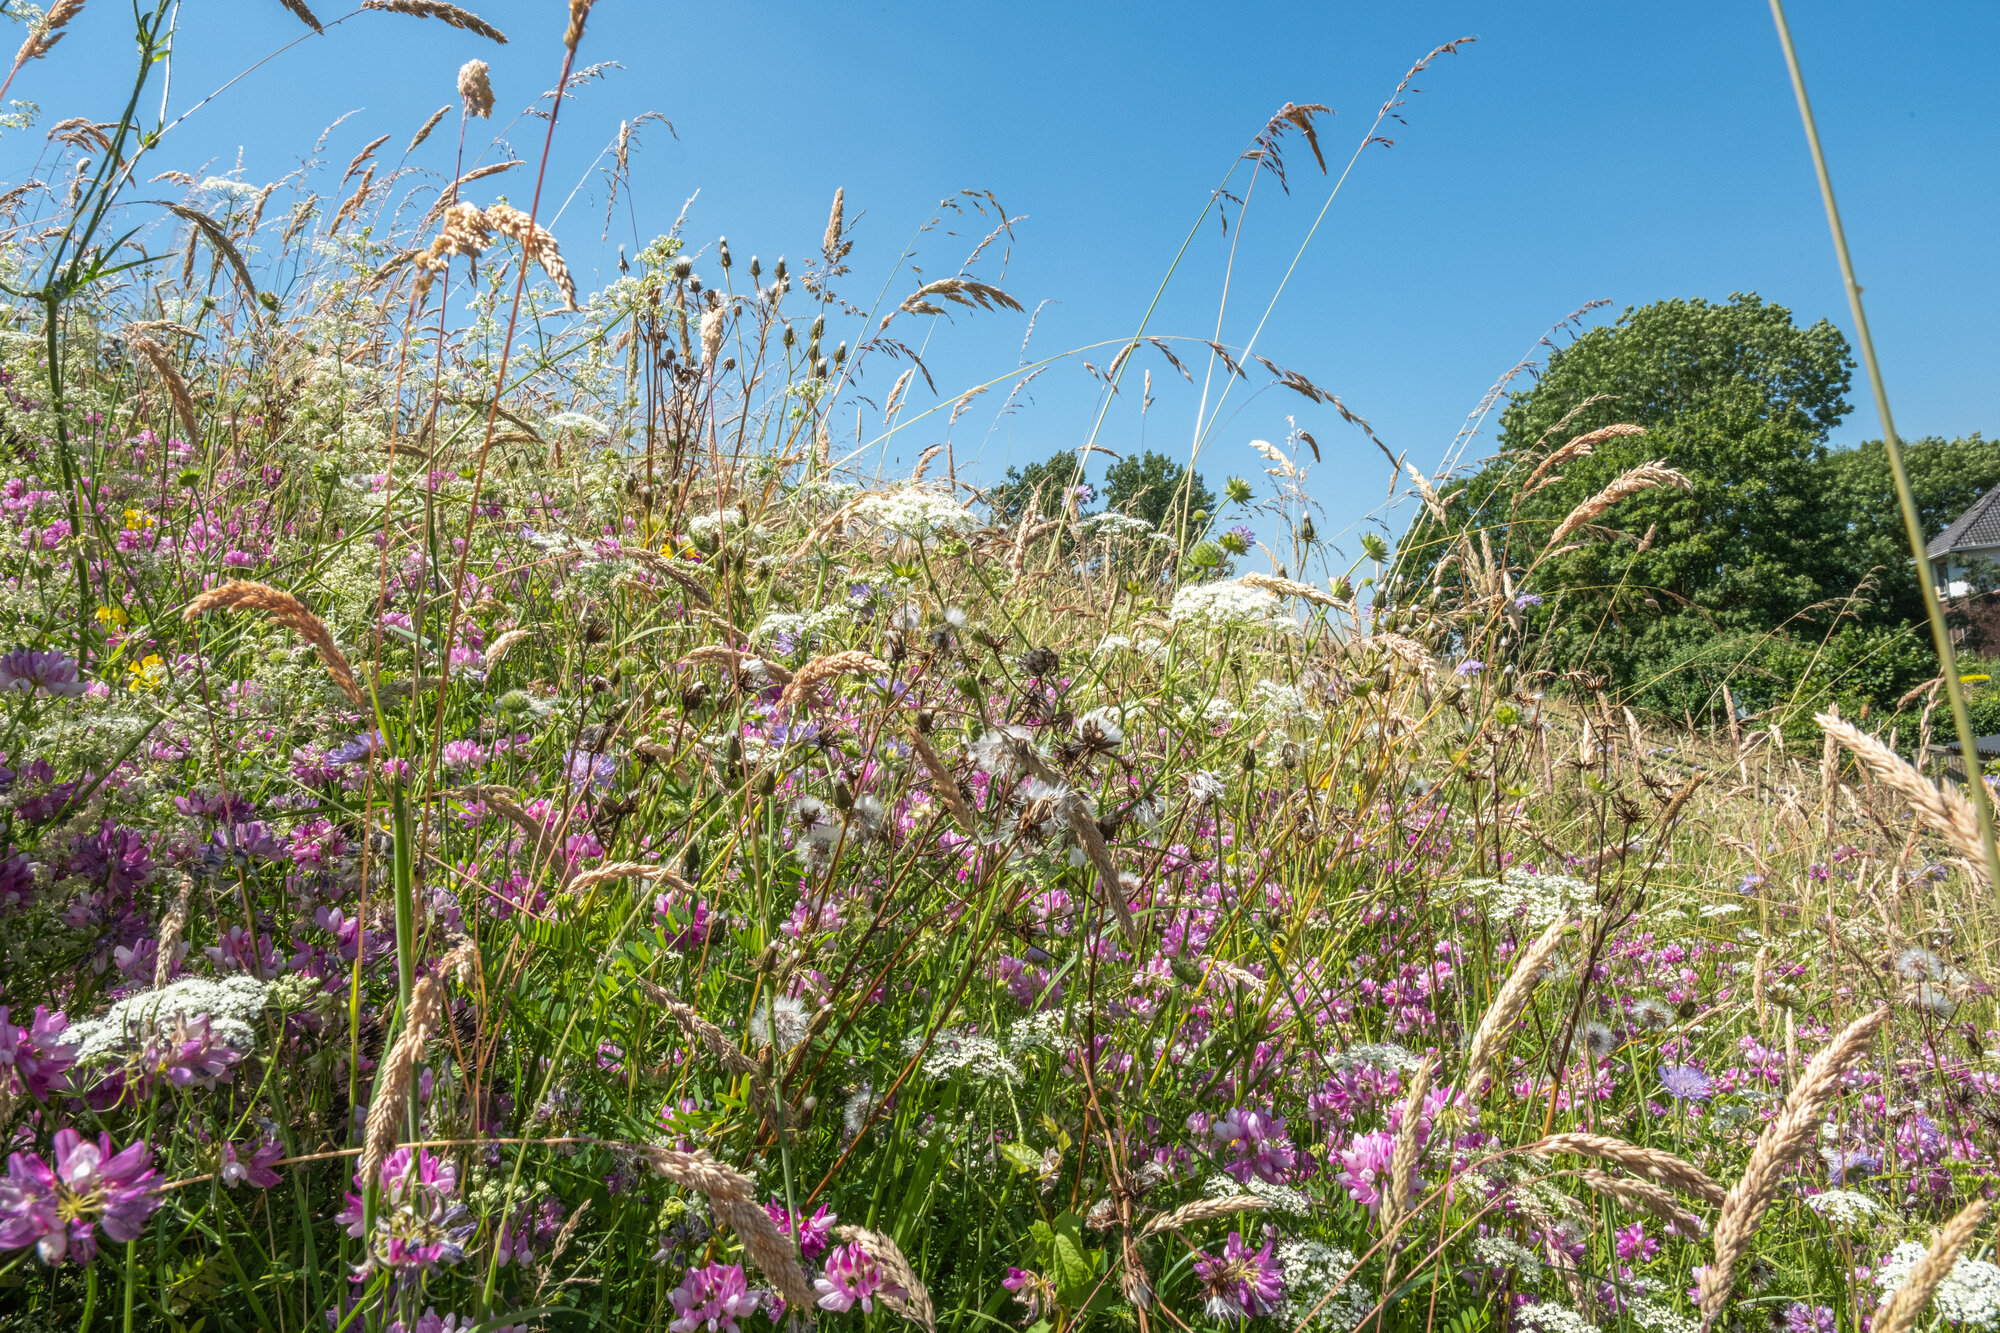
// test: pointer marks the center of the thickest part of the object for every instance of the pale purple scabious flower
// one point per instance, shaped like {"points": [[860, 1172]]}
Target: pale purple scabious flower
{"points": [[1526, 600], [357, 749], [590, 770], [59, 1211], [1471, 666], [1241, 1284], [852, 1278], [29, 671], [712, 1299], [1364, 1168], [815, 1232], [1685, 1083], [36, 1054], [256, 1169]]}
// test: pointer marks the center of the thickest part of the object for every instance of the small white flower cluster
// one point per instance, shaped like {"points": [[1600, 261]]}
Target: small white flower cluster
{"points": [[1225, 603], [1720, 909], [578, 422], [1043, 1030], [1285, 703], [978, 1056], [916, 512], [1311, 1270], [1542, 897], [1375, 1055], [229, 1003], [1550, 1317], [1506, 1252], [775, 623], [1968, 1296], [1146, 646], [1112, 525], [1216, 712], [705, 527], [1843, 1208], [1658, 1318], [1281, 1198]]}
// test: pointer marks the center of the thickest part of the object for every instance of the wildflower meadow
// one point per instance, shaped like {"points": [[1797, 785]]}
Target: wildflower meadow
{"points": [[504, 827]]}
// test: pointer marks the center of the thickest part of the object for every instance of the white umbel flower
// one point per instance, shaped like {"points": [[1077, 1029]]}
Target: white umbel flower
{"points": [[1228, 603], [915, 512], [1969, 1296]]}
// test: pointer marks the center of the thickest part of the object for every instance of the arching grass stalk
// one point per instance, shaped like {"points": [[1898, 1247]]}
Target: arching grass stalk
{"points": [[1912, 525]]}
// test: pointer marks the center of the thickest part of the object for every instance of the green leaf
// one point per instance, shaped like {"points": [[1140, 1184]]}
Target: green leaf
{"points": [[1022, 1158], [1070, 1267]]}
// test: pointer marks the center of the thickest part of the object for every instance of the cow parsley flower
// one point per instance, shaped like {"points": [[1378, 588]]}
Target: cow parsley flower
{"points": [[1969, 1294], [915, 512], [1311, 1272], [1230, 602], [1843, 1208], [954, 1051], [228, 1004]]}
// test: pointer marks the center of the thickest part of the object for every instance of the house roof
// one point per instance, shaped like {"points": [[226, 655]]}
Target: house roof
{"points": [[1977, 527]]}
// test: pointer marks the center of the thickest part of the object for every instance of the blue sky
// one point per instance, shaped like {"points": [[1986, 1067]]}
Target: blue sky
{"points": [[1574, 152]]}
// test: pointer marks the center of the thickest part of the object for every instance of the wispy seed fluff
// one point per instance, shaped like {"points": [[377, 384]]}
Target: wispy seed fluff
{"points": [[475, 88]]}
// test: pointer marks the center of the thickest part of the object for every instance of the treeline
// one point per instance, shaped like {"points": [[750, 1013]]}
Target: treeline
{"points": [[1781, 572]]}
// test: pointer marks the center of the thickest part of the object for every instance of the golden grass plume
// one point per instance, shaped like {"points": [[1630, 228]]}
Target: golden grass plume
{"points": [[287, 610]]}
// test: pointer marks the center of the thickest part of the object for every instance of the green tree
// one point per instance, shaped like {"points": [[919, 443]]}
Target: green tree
{"points": [[1153, 487], [1866, 523], [1051, 478], [1735, 396]]}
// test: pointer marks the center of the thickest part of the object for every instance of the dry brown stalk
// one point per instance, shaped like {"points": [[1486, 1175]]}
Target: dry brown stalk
{"points": [[425, 132], [834, 221], [579, 14], [392, 1094], [1202, 1210], [287, 610], [914, 1303], [1647, 1198], [771, 1251], [1085, 827], [1946, 812], [170, 375], [536, 242], [945, 784], [1642, 478], [1498, 1024], [504, 644], [1796, 1128], [172, 926], [661, 564], [1899, 1313], [1403, 1159], [712, 1038], [823, 669], [443, 13], [1287, 588], [1652, 1163], [718, 654], [628, 870], [475, 88], [43, 37]]}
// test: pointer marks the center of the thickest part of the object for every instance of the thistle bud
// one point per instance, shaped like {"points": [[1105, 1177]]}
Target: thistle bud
{"points": [[722, 253], [756, 269], [683, 266], [843, 799], [791, 338], [1307, 533], [818, 327], [766, 783], [840, 355], [820, 368]]}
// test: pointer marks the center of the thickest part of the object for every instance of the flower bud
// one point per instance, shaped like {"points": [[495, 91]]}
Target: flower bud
{"points": [[683, 266], [756, 269], [778, 269], [722, 253]]}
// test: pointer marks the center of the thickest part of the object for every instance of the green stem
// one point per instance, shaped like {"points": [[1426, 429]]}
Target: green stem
{"points": [[1912, 525]]}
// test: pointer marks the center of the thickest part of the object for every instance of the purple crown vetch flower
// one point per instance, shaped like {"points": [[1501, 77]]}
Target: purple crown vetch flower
{"points": [[30, 671], [852, 1278], [712, 1299], [1241, 1283], [59, 1211]]}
